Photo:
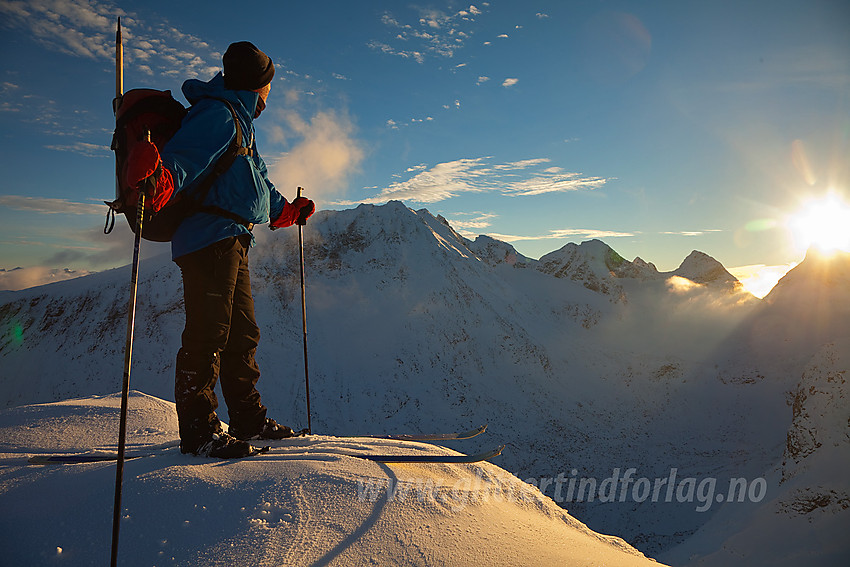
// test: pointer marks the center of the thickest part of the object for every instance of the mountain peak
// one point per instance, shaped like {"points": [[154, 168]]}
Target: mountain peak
{"points": [[824, 272], [701, 268], [591, 263], [494, 252]]}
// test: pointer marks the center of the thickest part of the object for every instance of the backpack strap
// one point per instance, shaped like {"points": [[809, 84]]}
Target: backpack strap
{"points": [[223, 163]]}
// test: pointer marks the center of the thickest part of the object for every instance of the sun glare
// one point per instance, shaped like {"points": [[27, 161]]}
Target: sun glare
{"points": [[822, 223]]}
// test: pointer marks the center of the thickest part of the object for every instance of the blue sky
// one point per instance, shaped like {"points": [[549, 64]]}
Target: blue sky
{"points": [[660, 127]]}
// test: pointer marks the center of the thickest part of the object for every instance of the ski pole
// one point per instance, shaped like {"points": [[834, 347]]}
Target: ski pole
{"points": [[304, 319], [131, 321], [125, 386]]}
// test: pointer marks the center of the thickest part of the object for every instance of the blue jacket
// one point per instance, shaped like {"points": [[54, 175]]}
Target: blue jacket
{"points": [[205, 134]]}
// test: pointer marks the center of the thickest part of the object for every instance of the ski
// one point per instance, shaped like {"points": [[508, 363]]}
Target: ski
{"points": [[102, 455], [456, 459], [78, 459], [105, 454], [423, 436], [404, 458]]}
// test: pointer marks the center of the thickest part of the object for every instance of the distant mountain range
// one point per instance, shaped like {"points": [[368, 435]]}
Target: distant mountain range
{"points": [[585, 363]]}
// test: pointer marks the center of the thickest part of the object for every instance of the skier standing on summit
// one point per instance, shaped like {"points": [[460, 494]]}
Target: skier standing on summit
{"points": [[211, 248]]}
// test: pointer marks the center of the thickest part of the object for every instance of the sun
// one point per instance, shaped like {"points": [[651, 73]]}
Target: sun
{"points": [[822, 223]]}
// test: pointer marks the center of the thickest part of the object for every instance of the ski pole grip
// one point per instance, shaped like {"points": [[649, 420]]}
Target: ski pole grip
{"points": [[149, 183]]}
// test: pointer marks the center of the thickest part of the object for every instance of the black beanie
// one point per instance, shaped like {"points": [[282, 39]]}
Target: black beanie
{"points": [[246, 68]]}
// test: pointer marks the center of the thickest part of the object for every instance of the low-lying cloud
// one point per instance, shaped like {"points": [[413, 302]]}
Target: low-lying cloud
{"points": [[23, 278], [323, 159], [86, 251]]}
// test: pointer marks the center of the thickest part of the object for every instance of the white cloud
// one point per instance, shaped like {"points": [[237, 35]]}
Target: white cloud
{"points": [[153, 53], [509, 82], [553, 183], [23, 278], [522, 164], [83, 148], [404, 53], [86, 28], [482, 79], [477, 222], [443, 181], [560, 234], [324, 157], [691, 232], [435, 33], [50, 206], [475, 175]]}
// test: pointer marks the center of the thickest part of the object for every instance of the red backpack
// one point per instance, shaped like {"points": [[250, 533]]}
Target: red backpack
{"points": [[143, 111]]}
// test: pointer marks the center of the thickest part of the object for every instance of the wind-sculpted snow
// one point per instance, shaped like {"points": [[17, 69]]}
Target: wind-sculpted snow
{"points": [[309, 501], [585, 362]]}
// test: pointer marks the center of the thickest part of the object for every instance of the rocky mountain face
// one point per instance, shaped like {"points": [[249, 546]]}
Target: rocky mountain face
{"points": [[585, 363], [805, 496]]}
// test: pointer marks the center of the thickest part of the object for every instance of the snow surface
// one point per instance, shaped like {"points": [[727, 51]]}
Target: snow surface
{"points": [[306, 503], [584, 362]]}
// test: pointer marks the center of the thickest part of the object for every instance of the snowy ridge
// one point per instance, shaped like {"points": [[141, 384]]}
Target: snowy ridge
{"points": [[583, 360], [307, 503]]}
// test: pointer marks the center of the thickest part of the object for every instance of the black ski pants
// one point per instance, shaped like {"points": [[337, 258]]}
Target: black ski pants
{"points": [[219, 341]]}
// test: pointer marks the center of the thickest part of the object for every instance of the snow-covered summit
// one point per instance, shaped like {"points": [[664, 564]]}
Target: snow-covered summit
{"points": [[600, 268], [593, 263], [308, 502], [701, 268], [496, 252]]}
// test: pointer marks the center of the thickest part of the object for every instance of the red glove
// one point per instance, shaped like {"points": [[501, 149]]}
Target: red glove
{"points": [[163, 190], [144, 162], [306, 208], [296, 212]]}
